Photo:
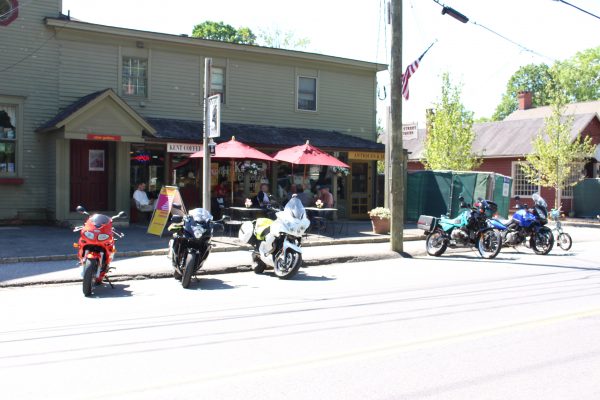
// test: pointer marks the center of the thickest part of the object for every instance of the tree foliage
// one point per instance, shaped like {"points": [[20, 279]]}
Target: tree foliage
{"points": [[449, 140], [280, 39], [556, 156], [224, 32], [576, 78]]}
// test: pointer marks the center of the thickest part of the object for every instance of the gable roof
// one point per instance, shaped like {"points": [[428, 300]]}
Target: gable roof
{"points": [[84, 103], [263, 135], [503, 138], [587, 107]]}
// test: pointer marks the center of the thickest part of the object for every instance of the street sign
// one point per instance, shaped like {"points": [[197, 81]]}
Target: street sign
{"points": [[214, 116], [409, 131]]}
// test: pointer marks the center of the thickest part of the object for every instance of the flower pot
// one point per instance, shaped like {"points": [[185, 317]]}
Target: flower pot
{"points": [[380, 225]]}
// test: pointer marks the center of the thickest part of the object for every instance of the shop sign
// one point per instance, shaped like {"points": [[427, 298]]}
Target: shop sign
{"points": [[409, 131], [106, 138], [183, 148], [365, 155]]}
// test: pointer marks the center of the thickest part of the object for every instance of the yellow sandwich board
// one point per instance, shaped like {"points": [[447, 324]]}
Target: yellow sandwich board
{"points": [[162, 209]]}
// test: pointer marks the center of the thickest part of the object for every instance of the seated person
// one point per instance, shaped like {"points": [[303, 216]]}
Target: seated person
{"points": [[326, 197], [221, 193], [143, 203], [305, 197], [262, 198]]}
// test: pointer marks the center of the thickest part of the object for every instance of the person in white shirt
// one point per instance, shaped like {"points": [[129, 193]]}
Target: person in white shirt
{"points": [[141, 198]]}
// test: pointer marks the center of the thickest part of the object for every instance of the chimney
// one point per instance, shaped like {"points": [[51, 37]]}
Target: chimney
{"points": [[525, 100]]}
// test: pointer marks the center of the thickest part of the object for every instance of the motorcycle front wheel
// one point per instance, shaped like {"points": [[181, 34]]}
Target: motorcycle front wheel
{"points": [[288, 265], [489, 244], [564, 241], [90, 268], [188, 271], [542, 241], [436, 243]]}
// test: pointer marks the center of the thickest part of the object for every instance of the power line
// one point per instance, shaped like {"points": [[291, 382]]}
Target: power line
{"points": [[578, 8]]}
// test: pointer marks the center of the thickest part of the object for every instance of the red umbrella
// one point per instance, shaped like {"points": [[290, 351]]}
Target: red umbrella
{"points": [[308, 154], [235, 150]]}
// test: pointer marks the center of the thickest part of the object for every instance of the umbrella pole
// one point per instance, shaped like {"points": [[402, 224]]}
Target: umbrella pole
{"points": [[231, 177], [304, 178]]}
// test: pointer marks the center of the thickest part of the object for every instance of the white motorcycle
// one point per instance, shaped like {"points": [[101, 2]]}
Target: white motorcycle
{"points": [[277, 243]]}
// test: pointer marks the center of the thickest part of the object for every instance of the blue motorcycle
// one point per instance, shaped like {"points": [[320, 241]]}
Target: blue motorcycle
{"points": [[469, 229], [527, 227]]}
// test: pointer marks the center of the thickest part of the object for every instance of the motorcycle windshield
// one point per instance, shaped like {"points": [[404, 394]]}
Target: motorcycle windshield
{"points": [[201, 215], [294, 208], [539, 201], [99, 219]]}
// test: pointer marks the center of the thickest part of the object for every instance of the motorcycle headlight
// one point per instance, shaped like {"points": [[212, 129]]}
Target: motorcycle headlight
{"points": [[89, 235], [103, 236], [198, 231]]}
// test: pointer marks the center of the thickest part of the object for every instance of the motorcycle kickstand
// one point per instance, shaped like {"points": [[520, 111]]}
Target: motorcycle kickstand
{"points": [[109, 282]]}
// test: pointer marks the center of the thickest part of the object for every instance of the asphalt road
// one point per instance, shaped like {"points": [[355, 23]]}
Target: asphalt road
{"points": [[519, 327]]}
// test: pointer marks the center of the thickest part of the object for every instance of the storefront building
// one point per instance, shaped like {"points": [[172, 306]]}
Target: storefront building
{"points": [[98, 109]]}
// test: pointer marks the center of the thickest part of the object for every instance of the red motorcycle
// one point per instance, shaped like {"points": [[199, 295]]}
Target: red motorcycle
{"points": [[96, 248]]}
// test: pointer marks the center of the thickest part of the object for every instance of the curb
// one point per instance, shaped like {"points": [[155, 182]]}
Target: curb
{"points": [[229, 247], [242, 268]]}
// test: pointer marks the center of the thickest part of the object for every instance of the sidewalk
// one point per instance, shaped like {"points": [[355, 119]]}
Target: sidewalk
{"points": [[49, 243]]}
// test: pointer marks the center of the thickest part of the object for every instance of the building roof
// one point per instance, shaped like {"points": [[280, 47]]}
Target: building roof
{"points": [[587, 107], [64, 23], [503, 138], [80, 105], [261, 135]]}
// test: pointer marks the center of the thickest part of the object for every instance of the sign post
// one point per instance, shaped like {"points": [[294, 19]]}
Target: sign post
{"points": [[205, 136], [168, 195]]}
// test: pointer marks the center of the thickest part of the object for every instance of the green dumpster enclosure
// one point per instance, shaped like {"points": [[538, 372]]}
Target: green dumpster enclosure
{"points": [[586, 198], [437, 192]]}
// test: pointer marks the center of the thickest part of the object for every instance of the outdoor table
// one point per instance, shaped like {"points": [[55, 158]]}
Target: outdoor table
{"points": [[246, 213], [320, 216]]}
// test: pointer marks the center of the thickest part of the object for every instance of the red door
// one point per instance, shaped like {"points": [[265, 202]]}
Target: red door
{"points": [[89, 175]]}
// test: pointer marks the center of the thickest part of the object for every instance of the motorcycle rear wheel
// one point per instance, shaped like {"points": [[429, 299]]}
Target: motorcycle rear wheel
{"points": [[546, 238], [90, 268], [564, 241], [288, 266], [435, 243], [489, 244], [190, 263]]}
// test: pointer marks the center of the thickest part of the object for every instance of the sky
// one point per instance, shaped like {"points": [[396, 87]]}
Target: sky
{"points": [[475, 58]]}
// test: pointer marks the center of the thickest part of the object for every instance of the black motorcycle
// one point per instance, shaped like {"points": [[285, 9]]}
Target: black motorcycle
{"points": [[191, 242]]}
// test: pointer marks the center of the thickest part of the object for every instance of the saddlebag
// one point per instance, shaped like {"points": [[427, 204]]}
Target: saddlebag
{"points": [[426, 223]]}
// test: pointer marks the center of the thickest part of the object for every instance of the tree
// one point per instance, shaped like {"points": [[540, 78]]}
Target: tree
{"points": [[224, 32], [449, 140], [578, 76], [556, 157], [279, 39], [535, 78]]}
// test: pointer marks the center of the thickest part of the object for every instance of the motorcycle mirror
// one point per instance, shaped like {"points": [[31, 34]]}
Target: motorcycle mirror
{"points": [[461, 199], [176, 219], [121, 214], [81, 210], [176, 206], [479, 199], [517, 198]]}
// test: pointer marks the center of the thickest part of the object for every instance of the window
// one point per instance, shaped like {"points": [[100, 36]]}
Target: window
{"points": [[574, 176], [8, 139], [217, 82], [135, 77], [307, 93], [521, 185]]}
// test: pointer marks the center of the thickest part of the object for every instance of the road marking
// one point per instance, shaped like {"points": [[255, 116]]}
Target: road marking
{"points": [[368, 352]]}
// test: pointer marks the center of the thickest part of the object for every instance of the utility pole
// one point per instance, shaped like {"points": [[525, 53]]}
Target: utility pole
{"points": [[205, 150], [395, 139]]}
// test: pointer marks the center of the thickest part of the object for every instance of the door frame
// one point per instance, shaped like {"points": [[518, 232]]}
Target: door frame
{"points": [[369, 193]]}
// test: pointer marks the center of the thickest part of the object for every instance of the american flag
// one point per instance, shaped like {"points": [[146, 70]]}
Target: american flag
{"points": [[410, 70]]}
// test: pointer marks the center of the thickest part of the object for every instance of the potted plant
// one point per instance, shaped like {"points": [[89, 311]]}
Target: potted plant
{"points": [[380, 219]]}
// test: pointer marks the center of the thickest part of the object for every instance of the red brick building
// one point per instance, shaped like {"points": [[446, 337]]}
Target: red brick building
{"points": [[503, 145]]}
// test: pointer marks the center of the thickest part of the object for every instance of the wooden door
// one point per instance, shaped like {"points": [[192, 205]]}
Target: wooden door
{"points": [[89, 175], [360, 190]]}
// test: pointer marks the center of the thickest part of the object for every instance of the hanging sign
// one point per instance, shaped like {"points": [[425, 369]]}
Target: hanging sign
{"points": [[183, 148], [162, 209], [214, 116], [409, 131], [365, 155]]}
